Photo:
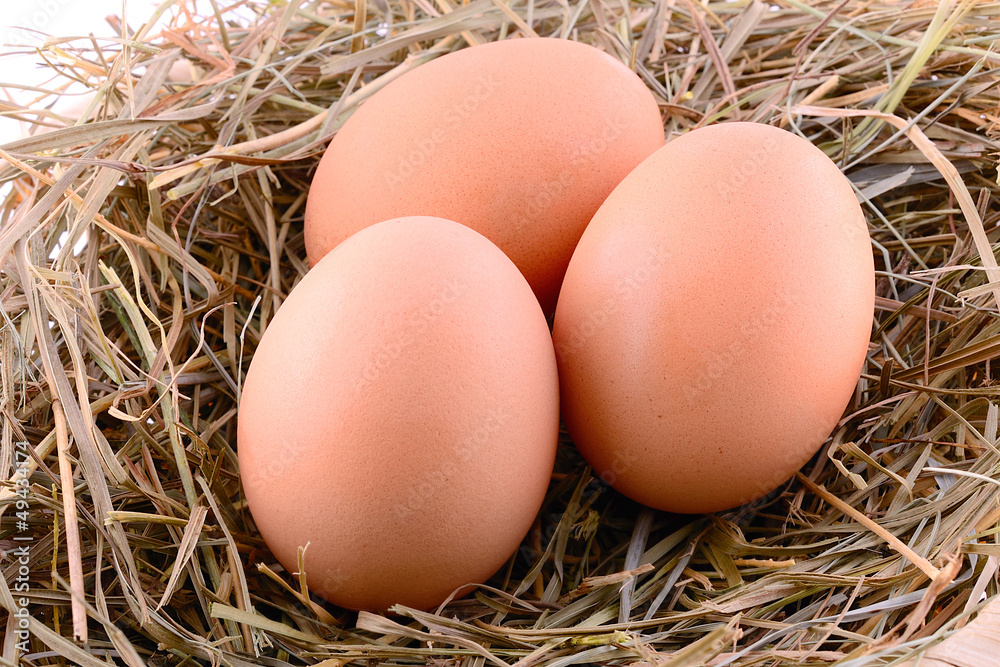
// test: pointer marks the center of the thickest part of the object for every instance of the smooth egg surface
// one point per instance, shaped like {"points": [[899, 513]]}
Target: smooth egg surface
{"points": [[400, 416], [715, 318], [521, 140]]}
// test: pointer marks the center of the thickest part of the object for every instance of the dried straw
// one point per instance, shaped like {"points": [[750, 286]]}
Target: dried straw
{"points": [[184, 184]]}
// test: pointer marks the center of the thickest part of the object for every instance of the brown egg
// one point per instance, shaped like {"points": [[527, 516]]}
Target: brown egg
{"points": [[400, 416], [521, 140], [715, 318]]}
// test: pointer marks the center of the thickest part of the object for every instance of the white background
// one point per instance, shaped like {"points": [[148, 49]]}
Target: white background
{"points": [[60, 18]]}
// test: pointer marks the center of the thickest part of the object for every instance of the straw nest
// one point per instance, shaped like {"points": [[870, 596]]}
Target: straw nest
{"points": [[145, 248]]}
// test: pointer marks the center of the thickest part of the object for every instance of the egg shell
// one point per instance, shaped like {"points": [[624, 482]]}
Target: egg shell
{"points": [[400, 416], [715, 318], [520, 140]]}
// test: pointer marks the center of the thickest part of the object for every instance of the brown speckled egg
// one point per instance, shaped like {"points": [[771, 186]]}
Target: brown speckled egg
{"points": [[400, 416], [521, 140], [715, 318]]}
